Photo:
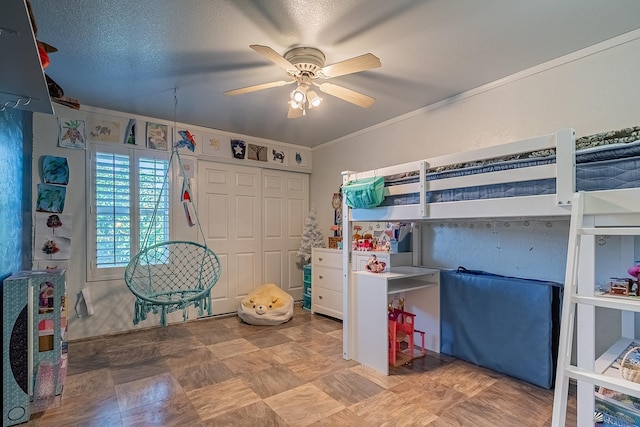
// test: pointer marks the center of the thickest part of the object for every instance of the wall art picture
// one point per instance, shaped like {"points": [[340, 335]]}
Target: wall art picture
{"points": [[104, 130], [52, 247], [257, 152], [130, 134], [189, 166], [157, 136], [51, 198], [238, 148], [54, 170], [71, 134], [186, 140], [299, 158], [277, 155], [216, 145], [52, 224], [51, 266]]}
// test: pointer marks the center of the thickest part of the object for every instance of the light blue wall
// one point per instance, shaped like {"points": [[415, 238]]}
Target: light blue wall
{"points": [[15, 190]]}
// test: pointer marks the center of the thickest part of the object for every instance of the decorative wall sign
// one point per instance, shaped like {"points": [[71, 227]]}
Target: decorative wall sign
{"points": [[71, 134], [238, 148], [54, 170], [157, 136]]}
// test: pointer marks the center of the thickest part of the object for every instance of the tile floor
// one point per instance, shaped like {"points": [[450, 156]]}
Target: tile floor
{"points": [[222, 372]]}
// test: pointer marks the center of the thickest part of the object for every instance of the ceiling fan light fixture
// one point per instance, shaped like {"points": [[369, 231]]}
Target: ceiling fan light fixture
{"points": [[304, 65], [313, 99], [299, 95]]}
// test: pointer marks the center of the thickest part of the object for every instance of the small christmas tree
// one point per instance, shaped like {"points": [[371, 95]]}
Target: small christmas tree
{"points": [[311, 238]]}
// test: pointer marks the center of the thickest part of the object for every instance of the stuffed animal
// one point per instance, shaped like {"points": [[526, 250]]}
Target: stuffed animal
{"points": [[266, 305], [374, 265]]}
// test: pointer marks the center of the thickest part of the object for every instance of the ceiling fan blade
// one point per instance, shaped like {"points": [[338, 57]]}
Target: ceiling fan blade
{"points": [[256, 88], [350, 66], [274, 57], [294, 113], [357, 98]]}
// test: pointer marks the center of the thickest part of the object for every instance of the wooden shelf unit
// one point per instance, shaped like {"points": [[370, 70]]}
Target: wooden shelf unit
{"points": [[597, 213]]}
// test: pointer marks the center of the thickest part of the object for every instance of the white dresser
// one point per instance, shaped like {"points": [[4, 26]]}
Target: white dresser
{"points": [[326, 282]]}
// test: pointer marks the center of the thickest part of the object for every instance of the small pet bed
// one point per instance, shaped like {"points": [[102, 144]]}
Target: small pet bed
{"points": [[266, 305]]}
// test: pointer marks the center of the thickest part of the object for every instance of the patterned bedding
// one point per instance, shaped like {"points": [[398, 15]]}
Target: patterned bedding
{"points": [[604, 161]]}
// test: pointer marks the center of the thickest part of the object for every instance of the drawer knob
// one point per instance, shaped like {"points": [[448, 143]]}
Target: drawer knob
{"points": [[319, 296], [320, 276], [320, 259]]}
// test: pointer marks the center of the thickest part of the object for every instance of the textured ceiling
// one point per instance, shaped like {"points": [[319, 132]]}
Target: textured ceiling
{"points": [[130, 55]]}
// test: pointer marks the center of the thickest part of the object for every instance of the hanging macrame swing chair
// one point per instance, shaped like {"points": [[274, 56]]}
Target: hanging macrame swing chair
{"points": [[172, 275]]}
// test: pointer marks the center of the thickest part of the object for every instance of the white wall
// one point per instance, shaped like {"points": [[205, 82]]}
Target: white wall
{"points": [[113, 302], [593, 90]]}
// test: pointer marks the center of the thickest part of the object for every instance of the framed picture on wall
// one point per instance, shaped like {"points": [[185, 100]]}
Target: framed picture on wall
{"points": [[216, 145], [71, 133], [104, 130], [157, 135], [257, 152]]}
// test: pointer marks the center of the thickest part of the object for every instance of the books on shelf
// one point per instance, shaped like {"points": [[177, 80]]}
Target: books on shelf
{"points": [[618, 409]]}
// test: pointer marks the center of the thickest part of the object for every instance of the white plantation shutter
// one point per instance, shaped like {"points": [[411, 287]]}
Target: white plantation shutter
{"points": [[127, 187], [153, 191], [113, 210]]}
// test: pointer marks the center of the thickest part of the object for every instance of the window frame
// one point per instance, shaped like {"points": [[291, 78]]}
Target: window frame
{"points": [[135, 155]]}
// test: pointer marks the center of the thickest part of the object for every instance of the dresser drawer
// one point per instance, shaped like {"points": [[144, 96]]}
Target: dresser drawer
{"points": [[326, 299], [360, 259], [326, 277], [327, 257]]}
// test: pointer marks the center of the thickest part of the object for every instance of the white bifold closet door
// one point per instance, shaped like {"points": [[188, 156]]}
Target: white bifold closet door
{"points": [[252, 219]]}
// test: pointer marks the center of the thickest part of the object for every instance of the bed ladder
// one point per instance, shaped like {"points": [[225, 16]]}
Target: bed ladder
{"points": [[598, 213]]}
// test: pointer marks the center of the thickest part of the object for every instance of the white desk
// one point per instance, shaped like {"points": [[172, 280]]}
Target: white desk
{"points": [[369, 321]]}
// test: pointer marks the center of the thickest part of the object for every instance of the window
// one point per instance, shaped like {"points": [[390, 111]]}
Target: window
{"points": [[129, 208]]}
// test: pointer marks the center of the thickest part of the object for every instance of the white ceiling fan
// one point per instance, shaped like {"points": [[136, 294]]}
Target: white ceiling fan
{"points": [[304, 65]]}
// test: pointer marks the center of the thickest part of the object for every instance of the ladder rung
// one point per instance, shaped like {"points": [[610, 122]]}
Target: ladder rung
{"points": [[610, 231], [608, 302], [614, 383]]}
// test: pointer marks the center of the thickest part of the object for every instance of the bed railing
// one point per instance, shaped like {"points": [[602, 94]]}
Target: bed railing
{"points": [[563, 171]]}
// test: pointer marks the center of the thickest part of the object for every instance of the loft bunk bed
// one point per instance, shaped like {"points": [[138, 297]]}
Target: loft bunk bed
{"points": [[536, 177], [533, 177]]}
